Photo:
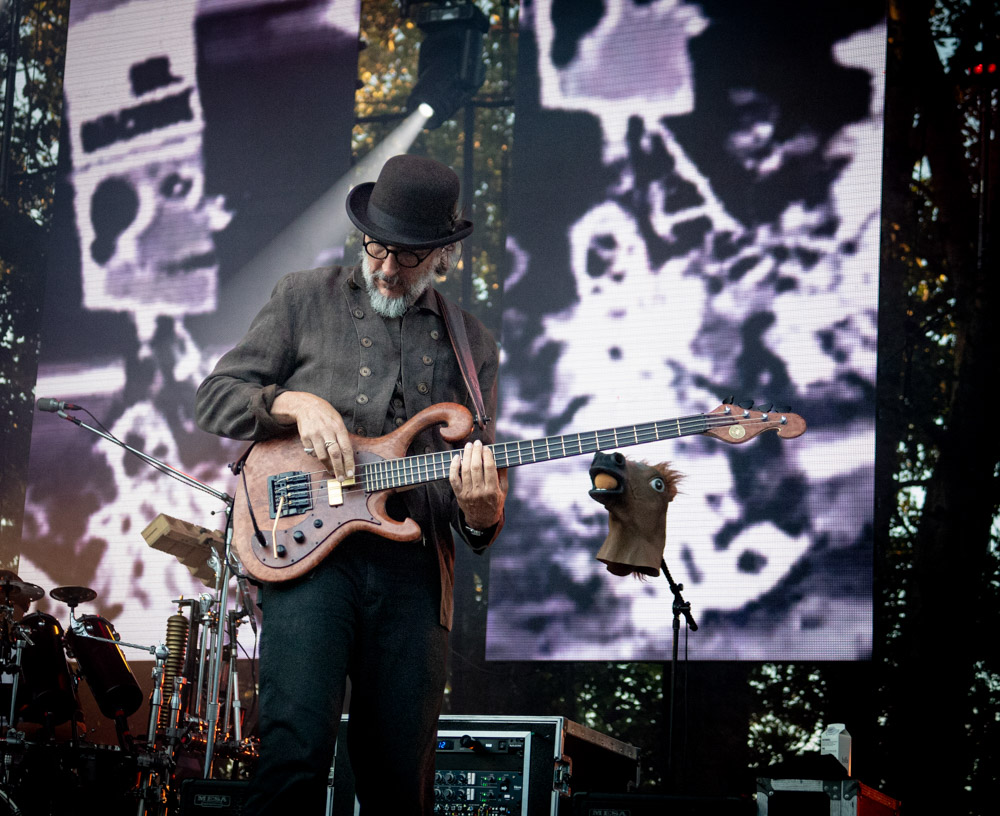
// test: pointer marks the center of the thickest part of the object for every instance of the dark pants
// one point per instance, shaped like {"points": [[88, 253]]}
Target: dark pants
{"points": [[369, 610]]}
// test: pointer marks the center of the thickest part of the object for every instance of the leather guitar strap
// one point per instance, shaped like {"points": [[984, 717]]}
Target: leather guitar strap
{"points": [[460, 342]]}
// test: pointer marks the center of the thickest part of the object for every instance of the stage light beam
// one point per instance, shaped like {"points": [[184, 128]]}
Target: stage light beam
{"points": [[317, 237]]}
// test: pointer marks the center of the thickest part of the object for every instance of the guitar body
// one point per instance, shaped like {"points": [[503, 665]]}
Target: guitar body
{"points": [[306, 532]]}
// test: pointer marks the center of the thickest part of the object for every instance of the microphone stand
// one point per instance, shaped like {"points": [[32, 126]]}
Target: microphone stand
{"points": [[680, 607], [223, 575]]}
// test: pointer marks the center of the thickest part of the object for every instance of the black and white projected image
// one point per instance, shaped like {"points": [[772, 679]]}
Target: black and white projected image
{"points": [[195, 131], [697, 216]]}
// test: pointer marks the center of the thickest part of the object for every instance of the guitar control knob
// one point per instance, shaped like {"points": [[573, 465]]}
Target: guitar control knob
{"points": [[282, 552], [299, 536]]}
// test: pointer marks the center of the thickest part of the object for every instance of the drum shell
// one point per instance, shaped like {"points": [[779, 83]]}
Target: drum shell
{"points": [[46, 693], [104, 666]]}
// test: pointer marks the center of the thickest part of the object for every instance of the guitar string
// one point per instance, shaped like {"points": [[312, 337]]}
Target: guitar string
{"points": [[388, 476]]}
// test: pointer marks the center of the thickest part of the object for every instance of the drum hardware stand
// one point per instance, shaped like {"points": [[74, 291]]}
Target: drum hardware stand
{"points": [[206, 621], [14, 741], [149, 790], [200, 625], [191, 651], [221, 591], [223, 575], [11, 631], [14, 668], [233, 705]]}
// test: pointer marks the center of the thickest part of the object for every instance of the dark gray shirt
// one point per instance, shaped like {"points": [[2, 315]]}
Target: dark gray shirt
{"points": [[318, 333]]}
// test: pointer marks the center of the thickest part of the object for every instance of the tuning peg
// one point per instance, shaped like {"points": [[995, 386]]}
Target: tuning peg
{"points": [[746, 405], [728, 400], [767, 408]]}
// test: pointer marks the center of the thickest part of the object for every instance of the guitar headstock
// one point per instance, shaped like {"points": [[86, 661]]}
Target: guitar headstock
{"points": [[735, 424]]}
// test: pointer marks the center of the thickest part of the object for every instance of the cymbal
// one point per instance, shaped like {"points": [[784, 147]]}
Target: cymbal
{"points": [[14, 590], [73, 595]]}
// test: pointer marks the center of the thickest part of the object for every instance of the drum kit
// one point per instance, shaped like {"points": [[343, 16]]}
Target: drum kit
{"points": [[48, 765]]}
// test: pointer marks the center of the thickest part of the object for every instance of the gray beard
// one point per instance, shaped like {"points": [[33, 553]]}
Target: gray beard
{"points": [[393, 306]]}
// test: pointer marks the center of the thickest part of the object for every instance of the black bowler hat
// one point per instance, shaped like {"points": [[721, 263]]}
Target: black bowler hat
{"points": [[411, 205]]}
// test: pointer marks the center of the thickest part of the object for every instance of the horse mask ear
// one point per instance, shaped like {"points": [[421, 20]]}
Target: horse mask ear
{"points": [[636, 496]]}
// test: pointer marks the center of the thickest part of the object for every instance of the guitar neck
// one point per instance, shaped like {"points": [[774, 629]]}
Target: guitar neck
{"points": [[413, 470]]}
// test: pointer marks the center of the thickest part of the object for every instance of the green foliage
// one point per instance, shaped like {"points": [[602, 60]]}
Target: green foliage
{"points": [[623, 700], [790, 704], [37, 110], [33, 74], [940, 537]]}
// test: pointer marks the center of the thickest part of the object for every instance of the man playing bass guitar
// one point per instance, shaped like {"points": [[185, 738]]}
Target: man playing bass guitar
{"points": [[336, 352]]}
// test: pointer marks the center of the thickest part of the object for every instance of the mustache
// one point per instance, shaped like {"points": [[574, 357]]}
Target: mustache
{"points": [[381, 276]]}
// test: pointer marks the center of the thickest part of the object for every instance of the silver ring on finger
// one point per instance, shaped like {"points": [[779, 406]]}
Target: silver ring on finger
{"points": [[330, 444], [309, 451]]}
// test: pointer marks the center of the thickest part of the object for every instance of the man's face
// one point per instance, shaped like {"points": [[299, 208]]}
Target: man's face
{"points": [[394, 288]]}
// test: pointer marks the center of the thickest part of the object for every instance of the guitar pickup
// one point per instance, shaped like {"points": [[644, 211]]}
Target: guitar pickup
{"points": [[295, 488], [335, 491]]}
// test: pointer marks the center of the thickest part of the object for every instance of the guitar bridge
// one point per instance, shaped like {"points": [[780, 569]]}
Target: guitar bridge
{"points": [[296, 490]]}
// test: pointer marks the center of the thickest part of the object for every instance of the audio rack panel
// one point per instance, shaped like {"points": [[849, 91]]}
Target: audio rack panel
{"points": [[482, 773]]}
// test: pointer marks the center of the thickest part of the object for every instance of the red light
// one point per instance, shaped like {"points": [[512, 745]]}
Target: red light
{"points": [[978, 69], [992, 68]]}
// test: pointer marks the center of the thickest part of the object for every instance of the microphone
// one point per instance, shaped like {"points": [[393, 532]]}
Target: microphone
{"points": [[54, 405]]}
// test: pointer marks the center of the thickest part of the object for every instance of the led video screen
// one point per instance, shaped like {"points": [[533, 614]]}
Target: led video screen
{"points": [[697, 192], [194, 132]]}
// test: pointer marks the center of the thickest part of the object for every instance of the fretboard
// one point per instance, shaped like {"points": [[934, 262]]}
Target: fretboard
{"points": [[430, 467]]}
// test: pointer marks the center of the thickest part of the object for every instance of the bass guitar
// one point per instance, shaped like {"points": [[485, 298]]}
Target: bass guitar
{"points": [[288, 516]]}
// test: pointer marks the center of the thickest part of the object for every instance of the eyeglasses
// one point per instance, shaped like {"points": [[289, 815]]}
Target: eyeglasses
{"points": [[406, 258]]}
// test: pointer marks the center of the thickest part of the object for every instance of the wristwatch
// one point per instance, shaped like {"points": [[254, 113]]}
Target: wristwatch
{"points": [[472, 531]]}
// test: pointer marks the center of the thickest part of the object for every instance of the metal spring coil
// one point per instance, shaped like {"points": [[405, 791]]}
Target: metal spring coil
{"points": [[176, 640]]}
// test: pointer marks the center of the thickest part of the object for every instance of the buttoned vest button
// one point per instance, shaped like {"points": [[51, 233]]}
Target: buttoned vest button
{"points": [[358, 313], [427, 360], [423, 388], [435, 334], [398, 421], [360, 431], [366, 371], [397, 403], [362, 399], [366, 342]]}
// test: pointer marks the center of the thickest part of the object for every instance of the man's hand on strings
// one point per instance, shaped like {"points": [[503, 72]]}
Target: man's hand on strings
{"points": [[321, 429], [480, 488]]}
